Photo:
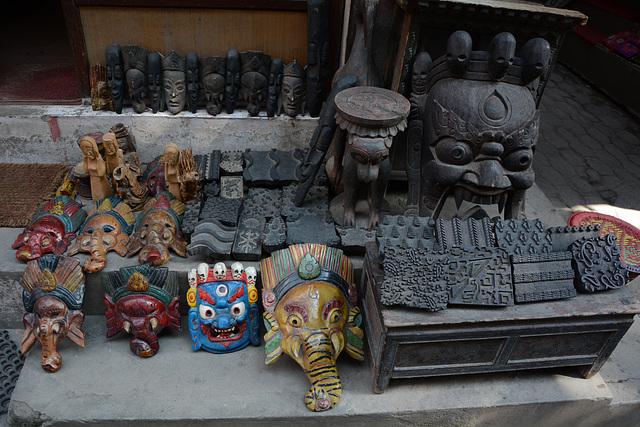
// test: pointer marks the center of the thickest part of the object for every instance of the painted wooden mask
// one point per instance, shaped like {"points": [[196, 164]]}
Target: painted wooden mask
{"points": [[224, 313], [142, 301], [52, 229], [311, 314], [53, 296], [107, 228], [157, 229]]}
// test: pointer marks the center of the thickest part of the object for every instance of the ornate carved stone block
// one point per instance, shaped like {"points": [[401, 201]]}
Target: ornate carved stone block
{"points": [[231, 187], [470, 233], [543, 277], [212, 238], [411, 232], [597, 264], [523, 236]]}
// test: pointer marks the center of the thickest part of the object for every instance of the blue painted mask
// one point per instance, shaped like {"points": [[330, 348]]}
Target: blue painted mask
{"points": [[222, 318]]}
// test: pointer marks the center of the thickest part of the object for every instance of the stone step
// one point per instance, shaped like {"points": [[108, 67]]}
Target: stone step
{"points": [[104, 383], [38, 134]]}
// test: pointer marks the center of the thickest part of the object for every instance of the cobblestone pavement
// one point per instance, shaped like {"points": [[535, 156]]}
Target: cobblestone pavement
{"points": [[588, 154]]}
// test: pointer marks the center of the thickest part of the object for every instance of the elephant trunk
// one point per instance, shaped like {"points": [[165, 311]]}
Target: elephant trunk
{"points": [[98, 258], [144, 343], [320, 366], [51, 360]]}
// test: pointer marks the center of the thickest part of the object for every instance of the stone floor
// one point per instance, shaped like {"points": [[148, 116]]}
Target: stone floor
{"points": [[588, 154]]}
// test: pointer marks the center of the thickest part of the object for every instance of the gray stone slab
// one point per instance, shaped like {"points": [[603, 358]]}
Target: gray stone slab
{"points": [[247, 245], [258, 168], [222, 209], [231, 163], [274, 235], [264, 202], [312, 228], [104, 384], [469, 233], [287, 166], [231, 187]]}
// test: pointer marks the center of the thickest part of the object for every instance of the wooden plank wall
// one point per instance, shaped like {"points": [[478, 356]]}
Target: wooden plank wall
{"points": [[281, 34]]}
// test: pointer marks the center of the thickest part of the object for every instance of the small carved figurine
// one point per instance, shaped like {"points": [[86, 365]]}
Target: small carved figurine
{"points": [[371, 117], [171, 159], [127, 144], [275, 85], [100, 94], [254, 79], [153, 177], [311, 314], [292, 93], [232, 80], [317, 53], [128, 188], [480, 124], [157, 229], [192, 66], [212, 70], [112, 153], [52, 230], [107, 227], [190, 184], [115, 76], [415, 129], [154, 80], [224, 313], [142, 301], [135, 65], [53, 296], [174, 78], [96, 168]]}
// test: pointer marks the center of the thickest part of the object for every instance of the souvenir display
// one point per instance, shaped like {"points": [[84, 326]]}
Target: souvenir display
{"points": [[224, 313], [478, 125], [142, 301], [175, 86], [155, 82], [53, 296], [212, 73], [231, 80], [135, 65], [158, 229], [317, 53], [100, 94], [52, 230], [171, 160], [371, 118], [112, 153], [192, 66], [254, 79], [95, 166], [115, 76], [107, 228], [190, 184], [127, 187], [311, 314], [292, 91]]}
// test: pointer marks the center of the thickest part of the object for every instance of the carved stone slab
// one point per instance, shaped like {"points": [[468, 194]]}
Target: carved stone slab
{"points": [[563, 237], [523, 236], [274, 236], [413, 278], [315, 203], [231, 187], [258, 168], [287, 166], [231, 163], [597, 264], [247, 245], [543, 277], [213, 166], [224, 210], [211, 189], [413, 232], [312, 227], [352, 240], [11, 366], [191, 216], [372, 106], [479, 277], [470, 233], [263, 202], [212, 238]]}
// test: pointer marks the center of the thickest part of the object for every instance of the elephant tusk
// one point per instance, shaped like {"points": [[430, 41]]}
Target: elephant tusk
{"points": [[338, 343], [297, 345], [126, 326], [154, 323], [56, 328]]}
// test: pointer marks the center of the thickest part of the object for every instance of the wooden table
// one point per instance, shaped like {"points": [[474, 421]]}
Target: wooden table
{"points": [[406, 343]]}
